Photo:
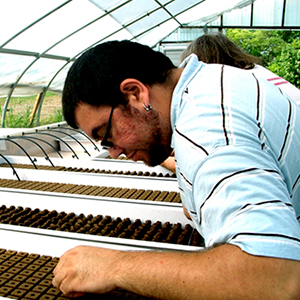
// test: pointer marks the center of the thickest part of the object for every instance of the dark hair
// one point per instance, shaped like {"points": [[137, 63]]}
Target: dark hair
{"points": [[217, 48], [95, 76]]}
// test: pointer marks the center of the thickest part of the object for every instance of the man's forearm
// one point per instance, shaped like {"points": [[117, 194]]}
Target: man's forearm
{"points": [[224, 272]]}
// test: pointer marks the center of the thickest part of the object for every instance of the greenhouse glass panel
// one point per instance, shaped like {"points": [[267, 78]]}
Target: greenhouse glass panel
{"points": [[86, 37], [239, 17], [17, 15], [136, 9], [120, 35], [57, 84], [184, 34], [49, 66], [153, 36], [268, 13], [148, 22], [40, 39], [176, 7], [54, 27], [208, 11], [11, 67], [107, 5], [292, 13]]}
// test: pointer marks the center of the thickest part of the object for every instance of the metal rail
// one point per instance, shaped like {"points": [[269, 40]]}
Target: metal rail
{"points": [[41, 140], [57, 137], [145, 15], [69, 135], [28, 139], [43, 54], [26, 153], [24, 71], [81, 132], [14, 170]]}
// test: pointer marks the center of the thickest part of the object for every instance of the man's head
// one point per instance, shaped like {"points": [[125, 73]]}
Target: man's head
{"points": [[108, 94], [96, 75]]}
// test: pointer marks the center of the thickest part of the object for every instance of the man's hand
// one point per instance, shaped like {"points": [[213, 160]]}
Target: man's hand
{"points": [[85, 270]]}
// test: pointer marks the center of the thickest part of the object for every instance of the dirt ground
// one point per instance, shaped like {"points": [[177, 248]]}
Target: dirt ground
{"points": [[19, 107], [50, 105]]}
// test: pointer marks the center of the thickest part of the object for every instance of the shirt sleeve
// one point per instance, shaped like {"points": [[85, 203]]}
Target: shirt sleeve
{"points": [[245, 203]]}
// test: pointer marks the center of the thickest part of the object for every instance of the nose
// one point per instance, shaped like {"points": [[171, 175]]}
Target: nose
{"points": [[114, 152]]}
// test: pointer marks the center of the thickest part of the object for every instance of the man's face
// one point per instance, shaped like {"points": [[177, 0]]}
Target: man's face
{"points": [[140, 135]]}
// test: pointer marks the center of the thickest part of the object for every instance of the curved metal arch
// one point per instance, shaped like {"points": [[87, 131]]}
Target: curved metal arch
{"points": [[35, 22], [26, 153], [160, 6], [35, 138], [116, 31], [168, 19], [14, 170], [38, 56], [24, 71], [28, 139], [168, 12], [46, 133], [99, 41], [84, 134], [69, 135]]}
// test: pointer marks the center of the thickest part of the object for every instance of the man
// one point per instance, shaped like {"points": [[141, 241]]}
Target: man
{"points": [[236, 140]]}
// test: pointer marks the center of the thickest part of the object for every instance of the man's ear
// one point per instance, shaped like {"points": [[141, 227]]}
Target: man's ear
{"points": [[134, 91]]}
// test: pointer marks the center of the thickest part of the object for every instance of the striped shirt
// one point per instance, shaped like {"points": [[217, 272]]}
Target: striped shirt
{"points": [[285, 86], [237, 149]]}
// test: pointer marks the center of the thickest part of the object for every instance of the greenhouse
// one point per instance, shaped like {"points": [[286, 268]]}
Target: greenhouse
{"points": [[185, 187], [40, 41]]}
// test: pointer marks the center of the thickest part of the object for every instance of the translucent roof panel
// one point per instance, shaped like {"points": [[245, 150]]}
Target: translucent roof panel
{"points": [[90, 35], [239, 17], [208, 11], [137, 10], [16, 15], [292, 13], [55, 27], [11, 67], [148, 22], [149, 38], [39, 40], [274, 15]]}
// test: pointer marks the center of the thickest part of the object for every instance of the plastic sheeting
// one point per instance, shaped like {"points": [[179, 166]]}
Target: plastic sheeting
{"points": [[40, 39]]}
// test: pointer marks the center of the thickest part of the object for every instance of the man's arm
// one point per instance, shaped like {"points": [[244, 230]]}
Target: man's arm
{"points": [[169, 164], [224, 272]]}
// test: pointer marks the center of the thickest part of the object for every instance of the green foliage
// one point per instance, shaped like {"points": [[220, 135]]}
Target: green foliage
{"points": [[20, 108], [17, 120], [279, 50], [52, 118], [287, 65]]}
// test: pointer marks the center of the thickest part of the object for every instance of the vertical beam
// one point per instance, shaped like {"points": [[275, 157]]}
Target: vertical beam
{"points": [[35, 107], [283, 14], [251, 15]]}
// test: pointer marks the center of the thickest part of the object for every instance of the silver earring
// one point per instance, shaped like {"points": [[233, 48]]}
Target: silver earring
{"points": [[147, 108]]}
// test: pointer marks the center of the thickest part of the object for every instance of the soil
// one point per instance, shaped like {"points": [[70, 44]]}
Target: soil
{"points": [[20, 107], [51, 105]]}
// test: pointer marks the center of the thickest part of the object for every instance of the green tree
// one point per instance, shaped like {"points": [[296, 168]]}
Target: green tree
{"points": [[287, 65], [278, 49]]}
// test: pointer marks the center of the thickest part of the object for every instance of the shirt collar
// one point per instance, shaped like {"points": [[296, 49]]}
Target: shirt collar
{"points": [[191, 67]]}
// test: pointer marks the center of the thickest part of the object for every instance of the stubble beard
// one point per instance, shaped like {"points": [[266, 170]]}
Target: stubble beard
{"points": [[159, 144]]}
